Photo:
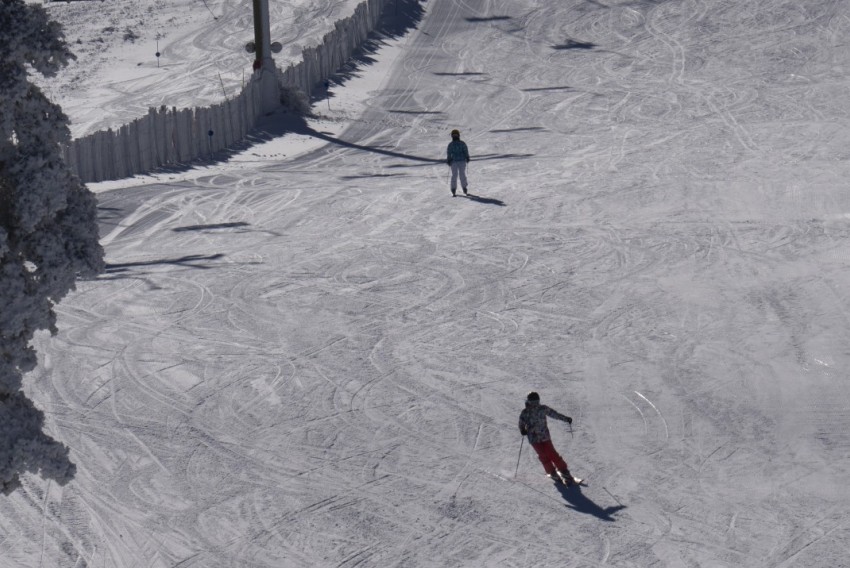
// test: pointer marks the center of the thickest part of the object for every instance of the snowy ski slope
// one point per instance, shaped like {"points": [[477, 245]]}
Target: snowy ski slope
{"points": [[315, 356]]}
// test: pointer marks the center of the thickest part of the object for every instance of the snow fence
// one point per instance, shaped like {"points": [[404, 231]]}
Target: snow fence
{"points": [[170, 137]]}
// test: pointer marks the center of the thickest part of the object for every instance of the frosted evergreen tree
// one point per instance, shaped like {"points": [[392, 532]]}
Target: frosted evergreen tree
{"points": [[48, 232]]}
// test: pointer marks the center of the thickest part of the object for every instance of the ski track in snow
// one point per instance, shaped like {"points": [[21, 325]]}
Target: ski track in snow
{"points": [[320, 361]]}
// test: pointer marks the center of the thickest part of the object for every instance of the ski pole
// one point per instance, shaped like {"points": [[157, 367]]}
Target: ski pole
{"points": [[521, 440], [571, 430]]}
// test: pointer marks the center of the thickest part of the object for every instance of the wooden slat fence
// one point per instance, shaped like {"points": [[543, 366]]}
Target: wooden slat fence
{"points": [[168, 136]]}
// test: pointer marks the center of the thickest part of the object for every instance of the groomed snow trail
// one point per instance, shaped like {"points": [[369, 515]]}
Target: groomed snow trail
{"points": [[320, 361]]}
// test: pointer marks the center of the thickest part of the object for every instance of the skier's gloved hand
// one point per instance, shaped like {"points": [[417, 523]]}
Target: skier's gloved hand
{"points": [[523, 431], [569, 420]]}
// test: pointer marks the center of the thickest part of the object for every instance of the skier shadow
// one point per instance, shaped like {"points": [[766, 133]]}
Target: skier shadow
{"points": [[577, 501], [486, 200]]}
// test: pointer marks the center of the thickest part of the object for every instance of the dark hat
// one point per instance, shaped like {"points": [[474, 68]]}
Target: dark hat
{"points": [[455, 133], [533, 396]]}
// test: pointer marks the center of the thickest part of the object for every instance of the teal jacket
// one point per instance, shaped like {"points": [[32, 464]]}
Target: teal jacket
{"points": [[457, 152]]}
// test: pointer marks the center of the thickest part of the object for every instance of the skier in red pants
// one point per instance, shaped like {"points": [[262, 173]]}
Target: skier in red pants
{"points": [[532, 423]]}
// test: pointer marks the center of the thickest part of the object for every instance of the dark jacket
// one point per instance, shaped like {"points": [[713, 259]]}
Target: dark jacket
{"points": [[457, 152], [532, 421]]}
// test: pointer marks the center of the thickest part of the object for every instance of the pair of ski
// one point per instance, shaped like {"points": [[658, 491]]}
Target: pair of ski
{"points": [[574, 482]]}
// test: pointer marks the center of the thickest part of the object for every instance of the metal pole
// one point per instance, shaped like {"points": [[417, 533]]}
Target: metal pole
{"points": [[264, 62], [259, 28]]}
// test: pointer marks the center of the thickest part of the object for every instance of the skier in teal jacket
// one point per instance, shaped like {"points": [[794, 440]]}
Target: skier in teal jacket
{"points": [[457, 156]]}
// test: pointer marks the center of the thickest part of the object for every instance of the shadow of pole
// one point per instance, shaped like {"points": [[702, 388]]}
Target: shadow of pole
{"points": [[306, 130], [211, 226], [575, 44], [186, 261], [291, 123], [486, 200]]}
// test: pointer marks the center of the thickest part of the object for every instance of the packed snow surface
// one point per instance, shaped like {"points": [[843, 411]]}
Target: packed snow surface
{"points": [[317, 356]]}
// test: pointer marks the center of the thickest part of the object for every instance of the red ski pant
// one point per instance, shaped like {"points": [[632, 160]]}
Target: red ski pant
{"points": [[549, 457]]}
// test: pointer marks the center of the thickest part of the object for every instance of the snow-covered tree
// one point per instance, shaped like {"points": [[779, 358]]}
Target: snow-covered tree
{"points": [[48, 231]]}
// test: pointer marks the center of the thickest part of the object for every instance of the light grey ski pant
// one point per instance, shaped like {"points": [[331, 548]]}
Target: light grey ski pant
{"points": [[458, 169]]}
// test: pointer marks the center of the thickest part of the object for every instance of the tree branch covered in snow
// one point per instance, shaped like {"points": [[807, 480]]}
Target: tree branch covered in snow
{"points": [[48, 231]]}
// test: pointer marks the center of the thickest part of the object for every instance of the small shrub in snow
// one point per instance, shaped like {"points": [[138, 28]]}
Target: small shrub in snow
{"points": [[294, 100]]}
